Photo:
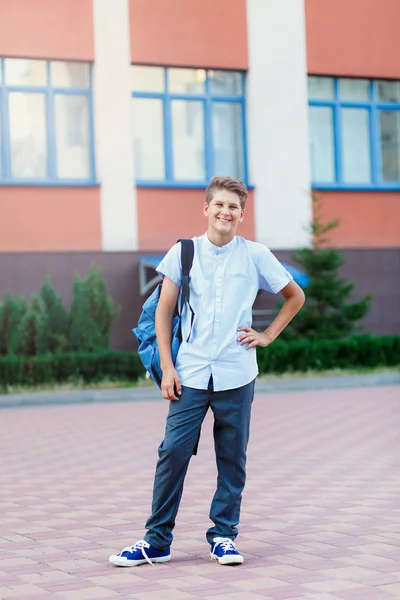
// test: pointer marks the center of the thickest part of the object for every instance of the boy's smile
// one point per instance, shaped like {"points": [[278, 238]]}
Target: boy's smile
{"points": [[224, 214]]}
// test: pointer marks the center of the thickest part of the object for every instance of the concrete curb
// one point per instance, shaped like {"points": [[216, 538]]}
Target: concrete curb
{"points": [[142, 394]]}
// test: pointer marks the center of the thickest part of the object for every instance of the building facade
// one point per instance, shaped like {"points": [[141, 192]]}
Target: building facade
{"points": [[114, 116]]}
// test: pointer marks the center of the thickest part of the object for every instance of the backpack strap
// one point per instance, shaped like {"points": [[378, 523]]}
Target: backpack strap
{"points": [[187, 255]]}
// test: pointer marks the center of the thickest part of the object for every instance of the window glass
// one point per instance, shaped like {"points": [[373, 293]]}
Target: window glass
{"points": [[188, 140], [225, 83], [72, 136], [27, 134], [322, 153], [356, 145], [354, 89], [148, 138], [227, 139], [69, 74], [321, 88], [22, 71], [388, 91], [389, 122], [186, 81], [147, 79]]}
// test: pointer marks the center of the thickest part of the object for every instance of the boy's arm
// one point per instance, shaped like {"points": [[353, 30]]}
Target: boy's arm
{"points": [[294, 300], [164, 313]]}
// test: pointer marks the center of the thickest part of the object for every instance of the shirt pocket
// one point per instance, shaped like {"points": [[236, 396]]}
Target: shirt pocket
{"points": [[238, 275]]}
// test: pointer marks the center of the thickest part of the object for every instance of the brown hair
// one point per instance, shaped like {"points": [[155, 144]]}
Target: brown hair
{"points": [[231, 184]]}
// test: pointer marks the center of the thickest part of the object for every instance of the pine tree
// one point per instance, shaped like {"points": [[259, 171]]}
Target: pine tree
{"points": [[12, 312], [28, 329], [54, 328], [101, 304], [92, 313], [328, 312]]}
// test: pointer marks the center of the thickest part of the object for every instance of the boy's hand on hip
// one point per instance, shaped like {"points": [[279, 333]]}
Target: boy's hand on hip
{"points": [[171, 385], [253, 338]]}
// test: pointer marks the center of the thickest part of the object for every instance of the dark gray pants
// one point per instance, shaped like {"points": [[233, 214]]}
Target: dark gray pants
{"points": [[232, 409]]}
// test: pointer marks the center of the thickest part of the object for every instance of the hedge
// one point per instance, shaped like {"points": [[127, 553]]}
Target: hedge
{"points": [[280, 357], [62, 368], [361, 351]]}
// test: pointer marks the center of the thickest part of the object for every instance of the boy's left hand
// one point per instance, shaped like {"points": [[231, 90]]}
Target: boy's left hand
{"points": [[253, 338]]}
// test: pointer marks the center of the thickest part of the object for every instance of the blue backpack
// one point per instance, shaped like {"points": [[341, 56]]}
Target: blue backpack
{"points": [[145, 331]]}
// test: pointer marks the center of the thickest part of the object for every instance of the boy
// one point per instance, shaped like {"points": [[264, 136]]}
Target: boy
{"points": [[216, 368]]}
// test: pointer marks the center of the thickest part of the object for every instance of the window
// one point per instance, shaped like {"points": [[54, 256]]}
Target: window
{"points": [[187, 125], [354, 129], [46, 129]]}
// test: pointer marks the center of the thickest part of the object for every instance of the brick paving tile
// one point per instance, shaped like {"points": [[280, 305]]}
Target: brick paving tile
{"points": [[320, 518]]}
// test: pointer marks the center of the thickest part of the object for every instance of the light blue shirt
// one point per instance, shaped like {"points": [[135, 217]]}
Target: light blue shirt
{"points": [[223, 287]]}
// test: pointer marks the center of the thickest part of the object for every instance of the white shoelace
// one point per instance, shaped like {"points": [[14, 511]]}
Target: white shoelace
{"points": [[227, 544], [140, 545]]}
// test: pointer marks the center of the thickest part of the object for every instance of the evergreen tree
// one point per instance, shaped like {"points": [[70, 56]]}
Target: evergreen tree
{"points": [[29, 328], [102, 305], [54, 328], [5, 313], [12, 312], [328, 312], [92, 313]]}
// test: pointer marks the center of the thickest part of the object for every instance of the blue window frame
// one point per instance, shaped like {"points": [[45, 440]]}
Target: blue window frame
{"points": [[46, 123], [188, 124], [354, 133]]}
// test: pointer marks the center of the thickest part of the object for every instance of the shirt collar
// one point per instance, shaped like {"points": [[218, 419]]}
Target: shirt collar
{"points": [[218, 249]]}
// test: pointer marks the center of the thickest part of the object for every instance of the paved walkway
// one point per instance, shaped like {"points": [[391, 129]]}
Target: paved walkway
{"points": [[320, 518], [151, 392]]}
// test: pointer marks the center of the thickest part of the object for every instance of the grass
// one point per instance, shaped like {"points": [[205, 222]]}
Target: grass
{"points": [[77, 384], [329, 373], [73, 386]]}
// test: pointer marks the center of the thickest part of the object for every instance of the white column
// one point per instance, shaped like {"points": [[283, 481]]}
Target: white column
{"points": [[112, 116], [277, 122]]}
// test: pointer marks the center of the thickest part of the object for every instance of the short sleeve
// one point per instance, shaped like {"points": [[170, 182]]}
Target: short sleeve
{"points": [[170, 266], [272, 275]]}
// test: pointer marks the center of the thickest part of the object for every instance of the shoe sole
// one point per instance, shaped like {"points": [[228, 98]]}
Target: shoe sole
{"points": [[120, 561], [228, 560]]}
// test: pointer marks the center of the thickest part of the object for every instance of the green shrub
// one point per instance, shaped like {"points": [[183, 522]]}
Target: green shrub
{"points": [[280, 357], [42, 325], [54, 328], [62, 368], [12, 313], [29, 328], [320, 355], [92, 313]]}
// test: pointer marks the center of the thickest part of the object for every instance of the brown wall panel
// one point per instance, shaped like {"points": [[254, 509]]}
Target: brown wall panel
{"points": [[24, 274], [373, 271]]}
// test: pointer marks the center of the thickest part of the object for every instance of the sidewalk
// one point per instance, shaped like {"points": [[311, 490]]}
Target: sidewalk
{"points": [[320, 514], [138, 394]]}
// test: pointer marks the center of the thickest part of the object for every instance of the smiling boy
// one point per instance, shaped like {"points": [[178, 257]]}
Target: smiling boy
{"points": [[215, 369]]}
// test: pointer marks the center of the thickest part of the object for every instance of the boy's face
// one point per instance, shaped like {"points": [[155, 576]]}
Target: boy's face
{"points": [[224, 213]]}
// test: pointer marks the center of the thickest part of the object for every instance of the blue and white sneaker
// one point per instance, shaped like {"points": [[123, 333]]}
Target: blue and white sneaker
{"points": [[224, 551], [140, 553]]}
